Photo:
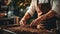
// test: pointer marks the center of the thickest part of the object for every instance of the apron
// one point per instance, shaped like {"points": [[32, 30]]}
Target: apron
{"points": [[50, 23]]}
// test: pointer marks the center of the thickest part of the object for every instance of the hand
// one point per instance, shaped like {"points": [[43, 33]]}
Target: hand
{"points": [[23, 22], [38, 20], [40, 26], [34, 23], [37, 24]]}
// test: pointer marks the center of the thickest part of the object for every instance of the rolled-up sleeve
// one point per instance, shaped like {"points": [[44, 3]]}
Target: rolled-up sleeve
{"points": [[31, 9], [56, 6]]}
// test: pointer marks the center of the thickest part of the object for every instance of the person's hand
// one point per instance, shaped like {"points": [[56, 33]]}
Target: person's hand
{"points": [[37, 24], [38, 20], [40, 26], [34, 23], [22, 22]]}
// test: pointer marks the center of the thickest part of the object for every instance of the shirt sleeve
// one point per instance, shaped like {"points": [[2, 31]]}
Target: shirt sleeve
{"points": [[31, 9], [56, 6]]}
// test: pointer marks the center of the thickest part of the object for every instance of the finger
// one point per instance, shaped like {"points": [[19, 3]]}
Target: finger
{"points": [[32, 23], [21, 22]]}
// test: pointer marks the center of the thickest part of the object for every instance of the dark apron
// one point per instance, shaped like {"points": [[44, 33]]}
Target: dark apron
{"points": [[50, 23], [45, 7]]}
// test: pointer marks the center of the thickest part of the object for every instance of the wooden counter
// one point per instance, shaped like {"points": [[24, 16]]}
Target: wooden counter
{"points": [[27, 30]]}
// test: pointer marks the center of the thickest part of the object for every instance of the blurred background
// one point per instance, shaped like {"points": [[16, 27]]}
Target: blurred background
{"points": [[15, 7]]}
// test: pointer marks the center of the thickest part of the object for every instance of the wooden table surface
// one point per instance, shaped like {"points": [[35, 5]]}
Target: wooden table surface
{"points": [[27, 30]]}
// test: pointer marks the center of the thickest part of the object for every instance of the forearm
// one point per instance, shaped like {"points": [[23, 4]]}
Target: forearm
{"points": [[26, 16], [48, 15], [39, 12]]}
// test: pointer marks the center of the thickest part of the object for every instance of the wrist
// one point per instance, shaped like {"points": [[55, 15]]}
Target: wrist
{"points": [[23, 19], [26, 16], [42, 17], [39, 14]]}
